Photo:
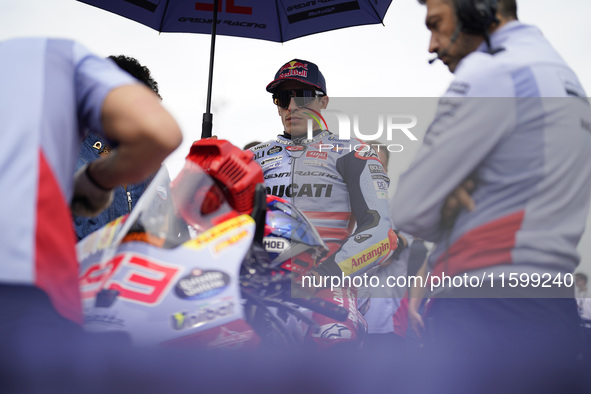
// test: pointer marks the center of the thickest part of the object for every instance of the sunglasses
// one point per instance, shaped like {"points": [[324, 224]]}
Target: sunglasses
{"points": [[303, 97]]}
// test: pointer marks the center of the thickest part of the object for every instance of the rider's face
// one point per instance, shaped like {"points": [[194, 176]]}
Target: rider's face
{"points": [[295, 118]]}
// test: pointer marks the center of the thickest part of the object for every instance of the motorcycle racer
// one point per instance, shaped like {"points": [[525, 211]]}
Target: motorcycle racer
{"points": [[340, 185]]}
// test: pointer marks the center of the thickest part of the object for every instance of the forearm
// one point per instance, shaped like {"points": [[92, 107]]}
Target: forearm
{"points": [[145, 133]]}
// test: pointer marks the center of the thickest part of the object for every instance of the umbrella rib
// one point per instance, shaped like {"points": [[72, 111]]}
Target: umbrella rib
{"points": [[163, 16], [377, 13], [279, 20]]}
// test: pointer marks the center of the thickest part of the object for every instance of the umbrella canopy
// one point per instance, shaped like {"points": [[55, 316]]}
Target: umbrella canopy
{"points": [[271, 20]]}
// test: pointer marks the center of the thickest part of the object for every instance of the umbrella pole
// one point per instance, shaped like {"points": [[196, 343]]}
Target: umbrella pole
{"points": [[207, 124]]}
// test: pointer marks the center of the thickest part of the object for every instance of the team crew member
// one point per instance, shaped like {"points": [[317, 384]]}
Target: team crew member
{"points": [[527, 160], [336, 187], [52, 91]]}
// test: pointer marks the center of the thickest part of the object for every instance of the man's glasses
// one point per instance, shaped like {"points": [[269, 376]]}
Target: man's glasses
{"points": [[303, 97]]}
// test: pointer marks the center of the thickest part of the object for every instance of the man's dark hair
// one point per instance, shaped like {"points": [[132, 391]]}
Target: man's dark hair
{"points": [[141, 73], [507, 8]]}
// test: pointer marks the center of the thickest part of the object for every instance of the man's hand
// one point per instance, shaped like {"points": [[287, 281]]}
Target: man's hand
{"points": [[89, 197], [415, 322], [458, 199]]}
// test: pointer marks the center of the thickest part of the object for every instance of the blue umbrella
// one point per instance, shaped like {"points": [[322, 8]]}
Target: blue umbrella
{"points": [[271, 20]]}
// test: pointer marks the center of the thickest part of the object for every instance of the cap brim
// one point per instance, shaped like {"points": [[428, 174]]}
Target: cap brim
{"points": [[273, 85]]}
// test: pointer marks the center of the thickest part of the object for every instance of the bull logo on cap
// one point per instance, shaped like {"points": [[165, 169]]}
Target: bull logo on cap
{"points": [[293, 65], [294, 68]]}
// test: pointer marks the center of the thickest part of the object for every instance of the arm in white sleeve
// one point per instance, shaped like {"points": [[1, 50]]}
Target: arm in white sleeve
{"points": [[465, 130]]}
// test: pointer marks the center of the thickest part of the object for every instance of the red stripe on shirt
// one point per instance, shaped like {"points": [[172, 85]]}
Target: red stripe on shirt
{"points": [[484, 246], [400, 317], [55, 254]]}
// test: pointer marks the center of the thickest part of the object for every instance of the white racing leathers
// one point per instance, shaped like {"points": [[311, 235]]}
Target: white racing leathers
{"points": [[344, 194], [518, 123], [342, 191]]}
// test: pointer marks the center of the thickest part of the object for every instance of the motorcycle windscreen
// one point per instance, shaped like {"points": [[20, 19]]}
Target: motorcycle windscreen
{"points": [[167, 214]]}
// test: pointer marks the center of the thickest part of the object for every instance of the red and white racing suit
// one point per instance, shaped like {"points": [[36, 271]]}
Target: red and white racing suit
{"points": [[341, 186]]}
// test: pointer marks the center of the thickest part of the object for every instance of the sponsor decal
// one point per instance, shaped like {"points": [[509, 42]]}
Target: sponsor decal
{"points": [[299, 12], [271, 166], [317, 155], [275, 244], [203, 315], [218, 231], [271, 160], [314, 163], [259, 155], [229, 8], [381, 177], [295, 148], [346, 301], [230, 241], [202, 284], [294, 68], [333, 331], [376, 169], [359, 238], [317, 174], [277, 175], [208, 21], [259, 147], [380, 185], [338, 148], [336, 139], [364, 258], [367, 154], [274, 150], [382, 195], [304, 190]]}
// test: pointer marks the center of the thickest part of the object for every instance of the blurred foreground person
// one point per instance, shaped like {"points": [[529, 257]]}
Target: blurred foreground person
{"points": [[52, 91], [514, 130], [583, 295]]}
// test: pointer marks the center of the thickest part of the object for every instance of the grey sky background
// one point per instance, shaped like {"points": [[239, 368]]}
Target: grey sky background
{"points": [[365, 61]]}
